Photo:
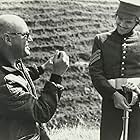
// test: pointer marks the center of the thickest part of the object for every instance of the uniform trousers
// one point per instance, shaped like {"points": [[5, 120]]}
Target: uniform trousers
{"points": [[112, 123]]}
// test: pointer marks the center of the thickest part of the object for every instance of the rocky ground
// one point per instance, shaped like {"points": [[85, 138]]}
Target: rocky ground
{"points": [[68, 25]]}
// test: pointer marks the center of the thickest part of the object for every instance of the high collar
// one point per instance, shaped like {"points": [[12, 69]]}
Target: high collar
{"points": [[125, 35]]}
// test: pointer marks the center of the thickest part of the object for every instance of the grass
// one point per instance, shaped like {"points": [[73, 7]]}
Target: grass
{"points": [[74, 133]]}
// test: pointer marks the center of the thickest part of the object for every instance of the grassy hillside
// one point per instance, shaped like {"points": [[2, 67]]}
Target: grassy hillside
{"points": [[75, 133], [68, 25]]}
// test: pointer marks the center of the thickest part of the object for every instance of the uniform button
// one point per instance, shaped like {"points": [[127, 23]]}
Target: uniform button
{"points": [[124, 57], [124, 52], [124, 48], [124, 38], [124, 44], [122, 63], [122, 74], [122, 68]]}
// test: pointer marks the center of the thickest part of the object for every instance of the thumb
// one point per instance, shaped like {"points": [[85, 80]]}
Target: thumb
{"points": [[126, 102], [65, 58], [56, 55]]}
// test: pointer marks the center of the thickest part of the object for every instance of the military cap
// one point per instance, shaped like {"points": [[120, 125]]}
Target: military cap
{"points": [[131, 7]]}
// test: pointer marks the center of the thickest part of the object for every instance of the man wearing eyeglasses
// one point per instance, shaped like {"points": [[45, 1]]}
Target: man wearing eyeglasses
{"points": [[22, 110], [114, 62]]}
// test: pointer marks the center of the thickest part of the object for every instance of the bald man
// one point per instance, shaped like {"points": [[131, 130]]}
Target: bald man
{"points": [[22, 110]]}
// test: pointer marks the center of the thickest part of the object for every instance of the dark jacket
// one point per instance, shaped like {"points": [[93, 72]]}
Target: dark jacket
{"points": [[22, 110], [111, 59], [108, 60]]}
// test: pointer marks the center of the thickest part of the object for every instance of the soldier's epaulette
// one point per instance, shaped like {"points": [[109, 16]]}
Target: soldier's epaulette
{"points": [[103, 36]]}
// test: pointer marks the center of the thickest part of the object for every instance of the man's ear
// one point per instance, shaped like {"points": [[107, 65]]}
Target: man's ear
{"points": [[7, 39]]}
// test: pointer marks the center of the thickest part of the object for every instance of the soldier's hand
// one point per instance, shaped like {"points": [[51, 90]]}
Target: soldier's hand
{"points": [[131, 87], [133, 42], [60, 63], [120, 102]]}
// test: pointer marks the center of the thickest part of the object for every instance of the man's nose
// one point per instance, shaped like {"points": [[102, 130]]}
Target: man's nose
{"points": [[122, 23]]}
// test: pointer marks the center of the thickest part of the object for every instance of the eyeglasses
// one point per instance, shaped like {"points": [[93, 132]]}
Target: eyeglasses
{"points": [[24, 35]]}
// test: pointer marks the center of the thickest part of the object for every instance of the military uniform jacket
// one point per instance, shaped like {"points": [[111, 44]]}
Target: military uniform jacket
{"points": [[22, 110], [111, 58]]}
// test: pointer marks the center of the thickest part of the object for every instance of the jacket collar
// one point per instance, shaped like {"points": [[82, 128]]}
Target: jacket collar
{"points": [[125, 35], [6, 67], [9, 69]]}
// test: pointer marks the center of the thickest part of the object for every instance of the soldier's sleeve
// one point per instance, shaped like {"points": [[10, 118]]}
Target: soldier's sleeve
{"points": [[96, 71], [16, 100]]}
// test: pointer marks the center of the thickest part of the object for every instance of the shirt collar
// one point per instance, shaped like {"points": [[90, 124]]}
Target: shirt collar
{"points": [[6, 67]]}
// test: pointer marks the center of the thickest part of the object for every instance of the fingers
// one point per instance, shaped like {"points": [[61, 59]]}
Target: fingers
{"points": [[129, 87], [60, 62], [124, 106], [120, 102], [134, 100], [56, 56], [131, 44], [50, 61], [131, 39], [61, 55], [65, 57], [48, 65]]}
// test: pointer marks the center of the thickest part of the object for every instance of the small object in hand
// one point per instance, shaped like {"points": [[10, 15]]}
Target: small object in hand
{"points": [[59, 55]]}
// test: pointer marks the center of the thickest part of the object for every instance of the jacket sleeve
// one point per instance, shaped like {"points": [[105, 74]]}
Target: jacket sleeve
{"points": [[96, 71], [45, 107], [35, 72], [16, 99]]}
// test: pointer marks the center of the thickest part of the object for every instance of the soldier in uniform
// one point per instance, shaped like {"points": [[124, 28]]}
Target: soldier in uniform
{"points": [[116, 58]]}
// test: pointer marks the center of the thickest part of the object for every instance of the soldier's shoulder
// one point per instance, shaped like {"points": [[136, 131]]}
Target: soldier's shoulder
{"points": [[2, 75], [103, 36]]}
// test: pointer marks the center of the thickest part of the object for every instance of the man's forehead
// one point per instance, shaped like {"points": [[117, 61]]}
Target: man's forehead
{"points": [[21, 28], [127, 16]]}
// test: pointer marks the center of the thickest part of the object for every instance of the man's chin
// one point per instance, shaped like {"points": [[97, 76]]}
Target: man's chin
{"points": [[27, 54], [122, 32]]}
